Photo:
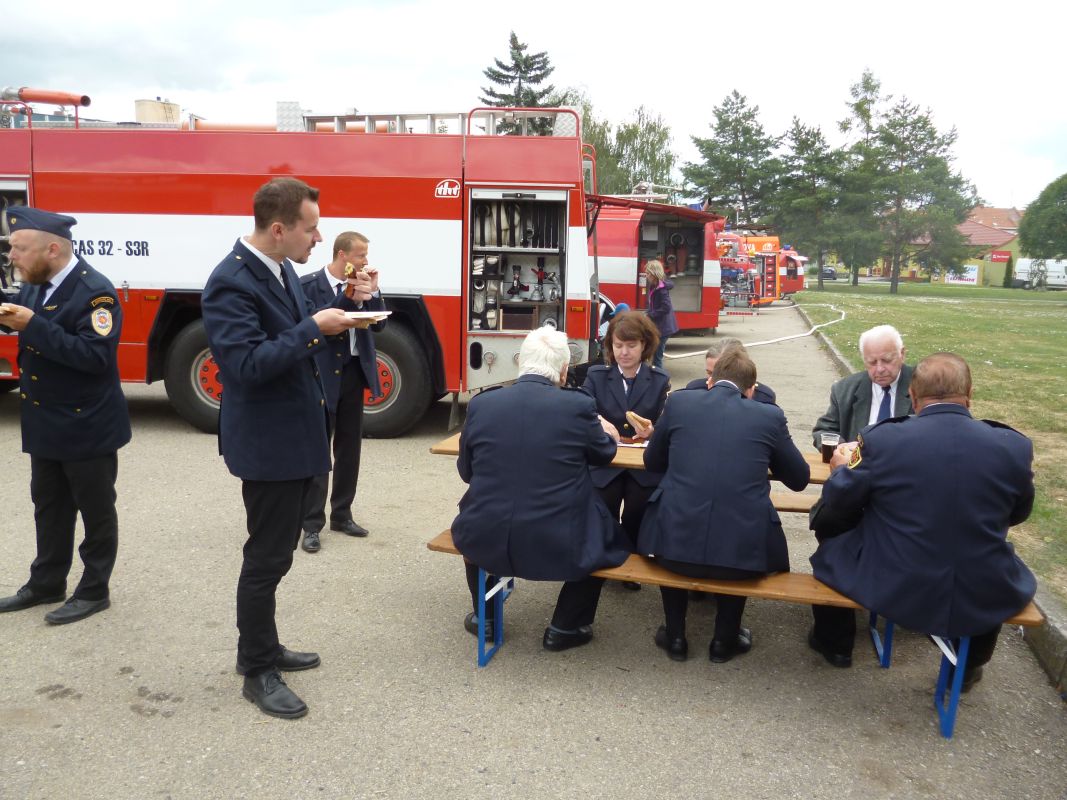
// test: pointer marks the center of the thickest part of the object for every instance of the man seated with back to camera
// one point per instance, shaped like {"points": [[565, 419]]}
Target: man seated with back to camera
{"points": [[712, 516], [762, 392], [531, 510], [914, 519]]}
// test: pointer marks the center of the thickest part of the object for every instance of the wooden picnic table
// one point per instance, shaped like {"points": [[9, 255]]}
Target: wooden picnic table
{"points": [[633, 458]]}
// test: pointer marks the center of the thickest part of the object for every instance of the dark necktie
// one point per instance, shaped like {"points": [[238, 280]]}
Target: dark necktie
{"points": [[883, 409], [628, 383], [340, 288], [39, 303]]}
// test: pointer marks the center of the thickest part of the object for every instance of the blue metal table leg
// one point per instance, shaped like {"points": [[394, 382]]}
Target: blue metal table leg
{"points": [[498, 593], [954, 667], [883, 645]]}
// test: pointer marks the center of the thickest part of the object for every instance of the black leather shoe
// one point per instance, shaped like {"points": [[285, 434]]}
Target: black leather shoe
{"points": [[76, 609], [721, 651], [556, 641], [350, 527], [268, 691], [970, 678], [291, 661], [840, 660], [311, 543], [470, 622], [27, 598], [677, 649]]}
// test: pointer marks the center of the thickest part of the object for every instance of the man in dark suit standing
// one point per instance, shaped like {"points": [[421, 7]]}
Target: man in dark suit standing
{"points": [[348, 366], [74, 415], [879, 392], [273, 419], [531, 510], [712, 515], [913, 521], [761, 393]]}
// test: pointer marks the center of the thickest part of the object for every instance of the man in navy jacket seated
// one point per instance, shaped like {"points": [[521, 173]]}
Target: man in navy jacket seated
{"points": [[712, 516], [531, 510], [762, 392], [913, 522]]}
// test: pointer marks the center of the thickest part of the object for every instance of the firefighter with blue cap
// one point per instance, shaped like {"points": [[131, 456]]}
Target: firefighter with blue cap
{"points": [[74, 414]]}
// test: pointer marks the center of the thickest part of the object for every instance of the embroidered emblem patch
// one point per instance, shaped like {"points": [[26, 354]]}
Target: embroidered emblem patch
{"points": [[103, 300], [102, 321]]}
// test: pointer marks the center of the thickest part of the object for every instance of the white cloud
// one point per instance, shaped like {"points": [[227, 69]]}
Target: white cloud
{"points": [[992, 71]]}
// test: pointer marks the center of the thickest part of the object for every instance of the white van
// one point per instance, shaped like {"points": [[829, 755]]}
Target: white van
{"points": [[1055, 272]]}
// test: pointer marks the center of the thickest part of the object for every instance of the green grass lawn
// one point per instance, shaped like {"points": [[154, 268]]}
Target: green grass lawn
{"points": [[1016, 344]]}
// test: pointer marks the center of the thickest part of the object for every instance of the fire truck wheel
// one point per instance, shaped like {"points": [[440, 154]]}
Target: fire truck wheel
{"points": [[406, 386], [192, 378], [8, 385]]}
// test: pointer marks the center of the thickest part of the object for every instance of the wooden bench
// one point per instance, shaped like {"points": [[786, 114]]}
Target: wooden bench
{"points": [[789, 587]]}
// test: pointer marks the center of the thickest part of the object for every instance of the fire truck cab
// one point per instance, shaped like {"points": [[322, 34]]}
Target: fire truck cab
{"points": [[479, 236]]}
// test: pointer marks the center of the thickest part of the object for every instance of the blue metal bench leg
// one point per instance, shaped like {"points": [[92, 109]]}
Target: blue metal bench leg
{"points": [[498, 594], [954, 665], [883, 645]]}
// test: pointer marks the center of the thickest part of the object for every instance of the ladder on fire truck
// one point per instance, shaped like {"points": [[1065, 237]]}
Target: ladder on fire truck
{"points": [[479, 122]]}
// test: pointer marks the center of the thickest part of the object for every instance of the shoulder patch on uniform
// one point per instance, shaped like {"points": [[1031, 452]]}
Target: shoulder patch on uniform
{"points": [[102, 300], [997, 424], [102, 321]]}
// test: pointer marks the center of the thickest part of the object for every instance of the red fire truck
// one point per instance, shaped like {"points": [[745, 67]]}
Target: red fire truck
{"points": [[630, 232], [479, 237], [757, 268]]}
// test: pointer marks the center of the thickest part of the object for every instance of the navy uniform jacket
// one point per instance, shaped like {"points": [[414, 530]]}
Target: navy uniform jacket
{"points": [[272, 422], [763, 394], [531, 510], [338, 352], [72, 402], [934, 494], [713, 505], [850, 406], [646, 399]]}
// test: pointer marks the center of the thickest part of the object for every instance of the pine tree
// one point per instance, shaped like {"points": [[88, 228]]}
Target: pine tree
{"points": [[739, 168], [521, 80]]}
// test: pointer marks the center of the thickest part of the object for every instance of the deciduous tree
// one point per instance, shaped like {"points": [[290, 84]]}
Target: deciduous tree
{"points": [[1043, 230]]}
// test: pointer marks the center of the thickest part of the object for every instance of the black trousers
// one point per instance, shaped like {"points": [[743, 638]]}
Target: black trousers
{"points": [[576, 605], [836, 629], [729, 608], [626, 493], [273, 510], [60, 490], [346, 426]]}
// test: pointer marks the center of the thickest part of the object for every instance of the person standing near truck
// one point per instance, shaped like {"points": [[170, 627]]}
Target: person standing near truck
{"points": [[74, 414], [660, 308]]}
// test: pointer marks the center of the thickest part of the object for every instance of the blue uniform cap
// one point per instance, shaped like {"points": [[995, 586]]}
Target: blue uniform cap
{"points": [[25, 218]]}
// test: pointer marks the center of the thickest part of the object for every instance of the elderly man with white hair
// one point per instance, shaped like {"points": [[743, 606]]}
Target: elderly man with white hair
{"points": [[878, 392], [531, 510]]}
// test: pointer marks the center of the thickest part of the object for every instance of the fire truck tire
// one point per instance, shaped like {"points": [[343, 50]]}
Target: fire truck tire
{"points": [[407, 388], [192, 378], [8, 385]]}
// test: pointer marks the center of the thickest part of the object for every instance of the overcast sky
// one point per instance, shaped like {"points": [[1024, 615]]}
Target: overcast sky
{"points": [[995, 71]]}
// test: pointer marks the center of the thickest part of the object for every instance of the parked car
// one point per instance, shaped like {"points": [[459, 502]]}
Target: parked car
{"points": [[829, 274]]}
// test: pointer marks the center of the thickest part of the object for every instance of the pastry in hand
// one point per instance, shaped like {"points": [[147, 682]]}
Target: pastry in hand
{"points": [[639, 423]]}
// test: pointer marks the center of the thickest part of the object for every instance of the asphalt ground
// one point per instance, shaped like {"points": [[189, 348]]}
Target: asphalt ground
{"points": [[141, 701]]}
